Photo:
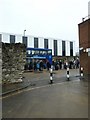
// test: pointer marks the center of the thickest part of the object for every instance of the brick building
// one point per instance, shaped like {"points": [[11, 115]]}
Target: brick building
{"points": [[84, 45]]}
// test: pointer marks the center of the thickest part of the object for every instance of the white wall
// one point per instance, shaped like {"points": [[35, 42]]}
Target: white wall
{"points": [[67, 48], [30, 42], [18, 39], [51, 45], [6, 38], [59, 44], [41, 42]]}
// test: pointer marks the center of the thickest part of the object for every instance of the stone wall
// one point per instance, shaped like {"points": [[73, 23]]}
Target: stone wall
{"points": [[13, 61], [0, 62]]}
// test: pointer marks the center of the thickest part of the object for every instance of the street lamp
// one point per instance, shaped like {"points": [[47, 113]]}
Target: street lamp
{"points": [[24, 32]]}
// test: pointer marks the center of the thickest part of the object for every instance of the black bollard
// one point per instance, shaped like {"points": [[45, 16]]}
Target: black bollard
{"points": [[68, 73], [51, 75], [81, 74]]}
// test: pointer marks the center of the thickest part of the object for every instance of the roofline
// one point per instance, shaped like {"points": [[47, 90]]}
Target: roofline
{"points": [[84, 21], [37, 36]]}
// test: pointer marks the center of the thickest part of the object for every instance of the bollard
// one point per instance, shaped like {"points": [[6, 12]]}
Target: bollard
{"points": [[51, 75], [81, 74], [67, 73]]}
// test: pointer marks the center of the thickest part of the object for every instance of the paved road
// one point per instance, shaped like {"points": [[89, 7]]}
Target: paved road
{"points": [[59, 100], [39, 79]]}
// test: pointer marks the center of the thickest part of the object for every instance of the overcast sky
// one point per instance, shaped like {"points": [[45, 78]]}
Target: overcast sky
{"points": [[45, 18]]}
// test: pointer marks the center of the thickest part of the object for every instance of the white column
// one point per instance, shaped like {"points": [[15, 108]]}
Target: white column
{"points": [[5, 38], [59, 44], [51, 46], [67, 48], [41, 42], [18, 39], [30, 42]]}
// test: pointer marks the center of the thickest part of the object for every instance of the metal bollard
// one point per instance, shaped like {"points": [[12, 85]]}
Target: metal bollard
{"points": [[51, 75], [81, 74], [67, 73]]}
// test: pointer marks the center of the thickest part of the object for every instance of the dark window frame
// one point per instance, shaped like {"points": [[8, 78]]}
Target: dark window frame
{"points": [[24, 40], [55, 48], [46, 43], [71, 48], [12, 38], [63, 48], [35, 42]]}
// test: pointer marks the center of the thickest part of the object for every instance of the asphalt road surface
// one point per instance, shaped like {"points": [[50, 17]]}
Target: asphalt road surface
{"points": [[62, 99]]}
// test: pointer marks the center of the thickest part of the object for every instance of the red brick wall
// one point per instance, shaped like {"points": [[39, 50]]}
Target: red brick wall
{"points": [[84, 41]]}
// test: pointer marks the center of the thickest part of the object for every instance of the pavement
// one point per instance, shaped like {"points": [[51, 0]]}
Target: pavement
{"points": [[38, 79]]}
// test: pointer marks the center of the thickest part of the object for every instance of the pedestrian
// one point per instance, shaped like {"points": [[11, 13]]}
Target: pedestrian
{"points": [[35, 66], [60, 64], [48, 65], [38, 66]]}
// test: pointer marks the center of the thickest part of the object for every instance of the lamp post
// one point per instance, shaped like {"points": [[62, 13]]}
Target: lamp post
{"points": [[24, 32]]}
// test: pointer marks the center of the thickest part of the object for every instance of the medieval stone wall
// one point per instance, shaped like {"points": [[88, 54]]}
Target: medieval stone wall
{"points": [[13, 61]]}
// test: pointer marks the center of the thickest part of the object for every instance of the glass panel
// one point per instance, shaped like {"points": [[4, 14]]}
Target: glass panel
{"points": [[35, 42], [55, 47], [12, 38], [37, 52], [49, 52], [63, 48], [89, 53], [71, 48], [24, 40], [29, 51], [41, 52], [44, 52], [33, 52], [45, 43]]}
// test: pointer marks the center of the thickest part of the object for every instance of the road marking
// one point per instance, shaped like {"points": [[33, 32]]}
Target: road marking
{"points": [[29, 89]]}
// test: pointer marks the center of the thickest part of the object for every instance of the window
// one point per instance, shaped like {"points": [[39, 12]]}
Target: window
{"points": [[49, 52], [71, 48], [63, 48], [12, 38], [33, 52], [88, 53], [35, 42], [45, 43], [55, 47], [24, 40], [29, 52], [44, 52], [41, 52]]}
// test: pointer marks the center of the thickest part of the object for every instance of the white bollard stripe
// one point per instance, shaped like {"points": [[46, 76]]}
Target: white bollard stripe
{"points": [[81, 71], [67, 76], [50, 77], [81, 74]]}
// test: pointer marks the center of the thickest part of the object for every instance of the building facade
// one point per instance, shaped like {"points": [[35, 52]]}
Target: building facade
{"points": [[84, 44], [59, 47]]}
